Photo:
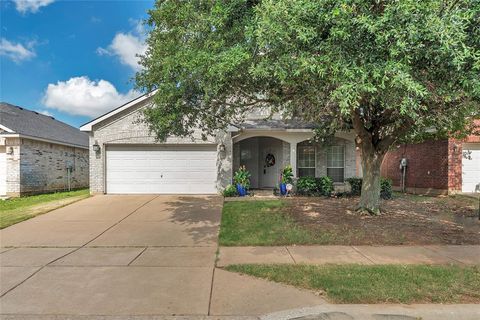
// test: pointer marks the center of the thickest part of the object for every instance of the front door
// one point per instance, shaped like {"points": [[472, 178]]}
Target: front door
{"points": [[270, 162]]}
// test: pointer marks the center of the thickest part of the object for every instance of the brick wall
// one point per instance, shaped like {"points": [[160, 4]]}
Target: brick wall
{"points": [[43, 167], [455, 156], [428, 166]]}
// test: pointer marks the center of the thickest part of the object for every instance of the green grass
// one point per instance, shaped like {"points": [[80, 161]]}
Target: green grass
{"points": [[19, 209], [377, 284], [262, 223]]}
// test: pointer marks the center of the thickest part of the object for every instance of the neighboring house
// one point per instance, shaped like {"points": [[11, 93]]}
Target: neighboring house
{"points": [[126, 158], [39, 154], [437, 167]]}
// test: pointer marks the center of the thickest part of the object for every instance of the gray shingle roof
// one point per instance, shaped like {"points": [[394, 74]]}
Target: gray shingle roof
{"points": [[272, 124], [30, 123]]}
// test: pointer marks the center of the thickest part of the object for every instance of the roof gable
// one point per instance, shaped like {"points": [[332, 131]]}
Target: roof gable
{"points": [[89, 125]]}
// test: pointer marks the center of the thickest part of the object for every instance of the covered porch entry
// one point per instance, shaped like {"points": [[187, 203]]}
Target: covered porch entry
{"points": [[265, 154]]}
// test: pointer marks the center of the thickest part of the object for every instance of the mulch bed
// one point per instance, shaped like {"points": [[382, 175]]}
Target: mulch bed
{"points": [[405, 220]]}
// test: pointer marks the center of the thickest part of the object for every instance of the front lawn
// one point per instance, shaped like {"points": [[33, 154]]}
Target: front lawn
{"points": [[376, 284], [19, 209], [260, 223], [405, 220]]}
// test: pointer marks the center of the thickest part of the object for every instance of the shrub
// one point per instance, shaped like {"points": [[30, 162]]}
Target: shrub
{"points": [[310, 186], [230, 191], [306, 186], [385, 187], [355, 185], [324, 185]]}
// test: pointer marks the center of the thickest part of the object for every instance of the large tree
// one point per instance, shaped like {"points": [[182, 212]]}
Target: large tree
{"points": [[390, 70]]}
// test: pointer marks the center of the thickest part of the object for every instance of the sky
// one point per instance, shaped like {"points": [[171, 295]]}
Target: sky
{"points": [[73, 60]]}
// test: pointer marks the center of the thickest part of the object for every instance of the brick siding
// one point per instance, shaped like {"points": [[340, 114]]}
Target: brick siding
{"points": [[43, 167], [428, 166], [39, 167]]}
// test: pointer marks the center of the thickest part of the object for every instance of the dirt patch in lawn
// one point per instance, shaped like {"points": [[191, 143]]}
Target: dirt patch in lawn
{"points": [[407, 219]]}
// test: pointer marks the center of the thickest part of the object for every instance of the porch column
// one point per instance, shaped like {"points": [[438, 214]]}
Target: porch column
{"points": [[293, 157]]}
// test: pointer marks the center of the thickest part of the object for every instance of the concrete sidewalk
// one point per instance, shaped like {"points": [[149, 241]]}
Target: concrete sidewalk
{"points": [[368, 255]]}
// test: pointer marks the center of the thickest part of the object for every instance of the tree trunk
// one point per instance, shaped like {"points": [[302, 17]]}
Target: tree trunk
{"points": [[370, 196]]}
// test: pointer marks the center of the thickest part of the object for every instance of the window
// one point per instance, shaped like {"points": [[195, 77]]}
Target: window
{"points": [[336, 163], [306, 160]]}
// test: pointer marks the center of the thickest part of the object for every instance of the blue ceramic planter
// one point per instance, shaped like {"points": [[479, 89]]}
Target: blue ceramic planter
{"points": [[242, 191], [283, 189]]}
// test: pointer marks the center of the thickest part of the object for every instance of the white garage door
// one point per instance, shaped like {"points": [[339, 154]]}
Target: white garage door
{"points": [[471, 167], [161, 169], [3, 172]]}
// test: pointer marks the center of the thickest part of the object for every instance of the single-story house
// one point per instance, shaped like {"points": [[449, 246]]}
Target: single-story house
{"points": [[126, 158], [445, 166], [39, 154]]}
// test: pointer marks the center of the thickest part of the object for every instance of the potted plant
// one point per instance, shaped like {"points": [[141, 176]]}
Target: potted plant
{"points": [[287, 178], [242, 181]]}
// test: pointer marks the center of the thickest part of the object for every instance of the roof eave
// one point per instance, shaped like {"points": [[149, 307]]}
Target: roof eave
{"points": [[17, 135]]}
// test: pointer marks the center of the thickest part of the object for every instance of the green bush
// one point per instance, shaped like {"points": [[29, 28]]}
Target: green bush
{"points": [[355, 185], [310, 186], [324, 185], [306, 186], [230, 191], [385, 187]]}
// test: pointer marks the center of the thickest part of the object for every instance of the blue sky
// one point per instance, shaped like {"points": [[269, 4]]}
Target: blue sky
{"points": [[73, 60]]}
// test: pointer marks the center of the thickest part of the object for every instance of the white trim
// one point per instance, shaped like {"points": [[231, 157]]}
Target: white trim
{"points": [[6, 129], [16, 135], [88, 126]]}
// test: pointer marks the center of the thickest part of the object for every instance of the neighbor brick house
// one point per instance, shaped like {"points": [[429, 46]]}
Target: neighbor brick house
{"points": [[39, 154], [437, 167]]}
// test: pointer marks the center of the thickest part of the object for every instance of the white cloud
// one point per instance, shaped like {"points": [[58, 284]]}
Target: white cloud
{"points": [[126, 46], [24, 6], [16, 51], [82, 96]]}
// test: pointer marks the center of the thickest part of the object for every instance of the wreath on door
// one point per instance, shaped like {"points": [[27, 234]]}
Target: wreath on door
{"points": [[270, 160]]}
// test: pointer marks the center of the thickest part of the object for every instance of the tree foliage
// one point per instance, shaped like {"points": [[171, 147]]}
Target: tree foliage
{"points": [[404, 66], [391, 70]]}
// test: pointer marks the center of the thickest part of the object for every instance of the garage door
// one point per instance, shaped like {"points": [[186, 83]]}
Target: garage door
{"points": [[471, 167], [161, 169]]}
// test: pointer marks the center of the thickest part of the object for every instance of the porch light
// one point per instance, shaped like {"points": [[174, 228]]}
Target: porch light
{"points": [[96, 147]]}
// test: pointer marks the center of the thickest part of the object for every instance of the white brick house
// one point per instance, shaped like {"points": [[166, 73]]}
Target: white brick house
{"points": [[126, 158], [39, 154]]}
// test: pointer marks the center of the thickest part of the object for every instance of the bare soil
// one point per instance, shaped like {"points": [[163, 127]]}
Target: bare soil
{"points": [[405, 220]]}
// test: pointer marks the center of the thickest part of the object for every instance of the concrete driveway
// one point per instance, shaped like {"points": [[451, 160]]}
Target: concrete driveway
{"points": [[129, 255]]}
